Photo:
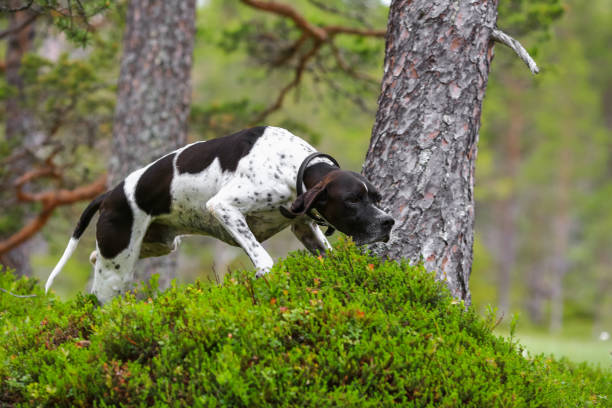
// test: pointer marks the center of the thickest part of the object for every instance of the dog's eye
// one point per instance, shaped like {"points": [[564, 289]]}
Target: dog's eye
{"points": [[352, 199], [376, 197]]}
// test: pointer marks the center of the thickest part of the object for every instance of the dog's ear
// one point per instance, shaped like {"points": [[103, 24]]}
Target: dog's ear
{"points": [[305, 201]]}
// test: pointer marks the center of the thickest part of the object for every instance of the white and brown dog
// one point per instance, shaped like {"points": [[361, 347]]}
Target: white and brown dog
{"points": [[242, 189]]}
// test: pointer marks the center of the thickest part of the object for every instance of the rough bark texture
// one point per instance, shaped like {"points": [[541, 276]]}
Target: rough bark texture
{"points": [[424, 141], [154, 95], [18, 119]]}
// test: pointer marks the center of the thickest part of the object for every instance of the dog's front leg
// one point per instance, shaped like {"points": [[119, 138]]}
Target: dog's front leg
{"points": [[311, 236], [234, 222]]}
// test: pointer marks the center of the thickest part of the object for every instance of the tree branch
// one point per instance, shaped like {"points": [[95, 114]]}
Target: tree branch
{"points": [[20, 27], [296, 80], [288, 11], [344, 66], [292, 50], [505, 39], [333, 30], [23, 196], [351, 15], [361, 104], [16, 9], [49, 200], [320, 35]]}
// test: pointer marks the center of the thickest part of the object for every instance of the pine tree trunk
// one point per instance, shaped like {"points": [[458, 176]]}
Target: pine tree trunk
{"points": [[424, 141], [537, 292], [154, 96]]}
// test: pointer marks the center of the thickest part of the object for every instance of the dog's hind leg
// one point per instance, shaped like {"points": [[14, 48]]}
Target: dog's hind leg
{"points": [[118, 242], [159, 240], [311, 236]]}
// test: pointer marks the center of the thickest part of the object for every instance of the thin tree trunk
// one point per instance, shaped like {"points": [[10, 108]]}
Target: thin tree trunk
{"points": [[154, 96], [18, 119], [561, 233], [538, 293], [604, 286], [507, 210], [424, 141], [507, 207]]}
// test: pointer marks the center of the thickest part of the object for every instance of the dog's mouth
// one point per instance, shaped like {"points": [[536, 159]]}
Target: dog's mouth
{"points": [[359, 240]]}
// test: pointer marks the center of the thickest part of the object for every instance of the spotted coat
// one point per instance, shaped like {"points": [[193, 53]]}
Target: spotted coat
{"points": [[230, 188]]}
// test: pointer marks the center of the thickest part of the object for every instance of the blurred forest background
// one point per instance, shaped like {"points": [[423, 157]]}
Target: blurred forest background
{"points": [[544, 171]]}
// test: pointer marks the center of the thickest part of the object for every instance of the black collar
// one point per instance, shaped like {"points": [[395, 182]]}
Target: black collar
{"points": [[298, 188]]}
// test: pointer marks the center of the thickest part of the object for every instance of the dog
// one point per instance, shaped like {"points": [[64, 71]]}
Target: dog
{"points": [[242, 189]]}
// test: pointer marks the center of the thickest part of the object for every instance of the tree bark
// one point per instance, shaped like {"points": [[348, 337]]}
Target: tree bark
{"points": [[154, 95], [424, 141]]}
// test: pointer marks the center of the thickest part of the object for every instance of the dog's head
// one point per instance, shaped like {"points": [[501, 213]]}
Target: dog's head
{"points": [[348, 202]]}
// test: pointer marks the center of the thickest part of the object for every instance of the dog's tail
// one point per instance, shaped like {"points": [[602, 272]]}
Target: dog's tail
{"points": [[86, 217]]}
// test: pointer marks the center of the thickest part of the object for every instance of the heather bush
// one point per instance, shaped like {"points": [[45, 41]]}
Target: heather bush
{"points": [[344, 330]]}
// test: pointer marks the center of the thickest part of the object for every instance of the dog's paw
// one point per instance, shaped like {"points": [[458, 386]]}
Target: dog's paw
{"points": [[262, 272], [93, 257]]}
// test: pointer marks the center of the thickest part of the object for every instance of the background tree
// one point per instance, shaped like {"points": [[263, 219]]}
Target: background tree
{"points": [[45, 92], [19, 37], [154, 95], [502, 202], [559, 266]]}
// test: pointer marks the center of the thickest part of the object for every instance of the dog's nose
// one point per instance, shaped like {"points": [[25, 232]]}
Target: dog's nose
{"points": [[388, 223]]}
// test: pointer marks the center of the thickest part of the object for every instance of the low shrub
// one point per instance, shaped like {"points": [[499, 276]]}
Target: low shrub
{"points": [[345, 330]]}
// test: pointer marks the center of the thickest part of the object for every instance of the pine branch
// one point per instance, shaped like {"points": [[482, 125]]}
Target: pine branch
{"points": [[49, 200], [16, 9], [321, 35], [294, 83], [516, 46], [288, 11], [20, 27]]}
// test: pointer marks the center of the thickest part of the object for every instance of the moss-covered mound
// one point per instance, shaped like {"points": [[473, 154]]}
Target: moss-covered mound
{"points": [[347, 330]]}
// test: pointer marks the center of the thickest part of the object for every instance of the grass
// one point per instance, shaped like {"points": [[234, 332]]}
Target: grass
{"points": [[575, 349]]}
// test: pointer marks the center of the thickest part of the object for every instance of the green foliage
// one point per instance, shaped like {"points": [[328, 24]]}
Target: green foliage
{"points": [[66, 92], [345, 330], [73, 17], [529, 16], [68, 105], [562, 155], [248, 55]]}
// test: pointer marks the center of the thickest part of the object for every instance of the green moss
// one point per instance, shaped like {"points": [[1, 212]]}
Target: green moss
{"points": [[346, 330]]}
